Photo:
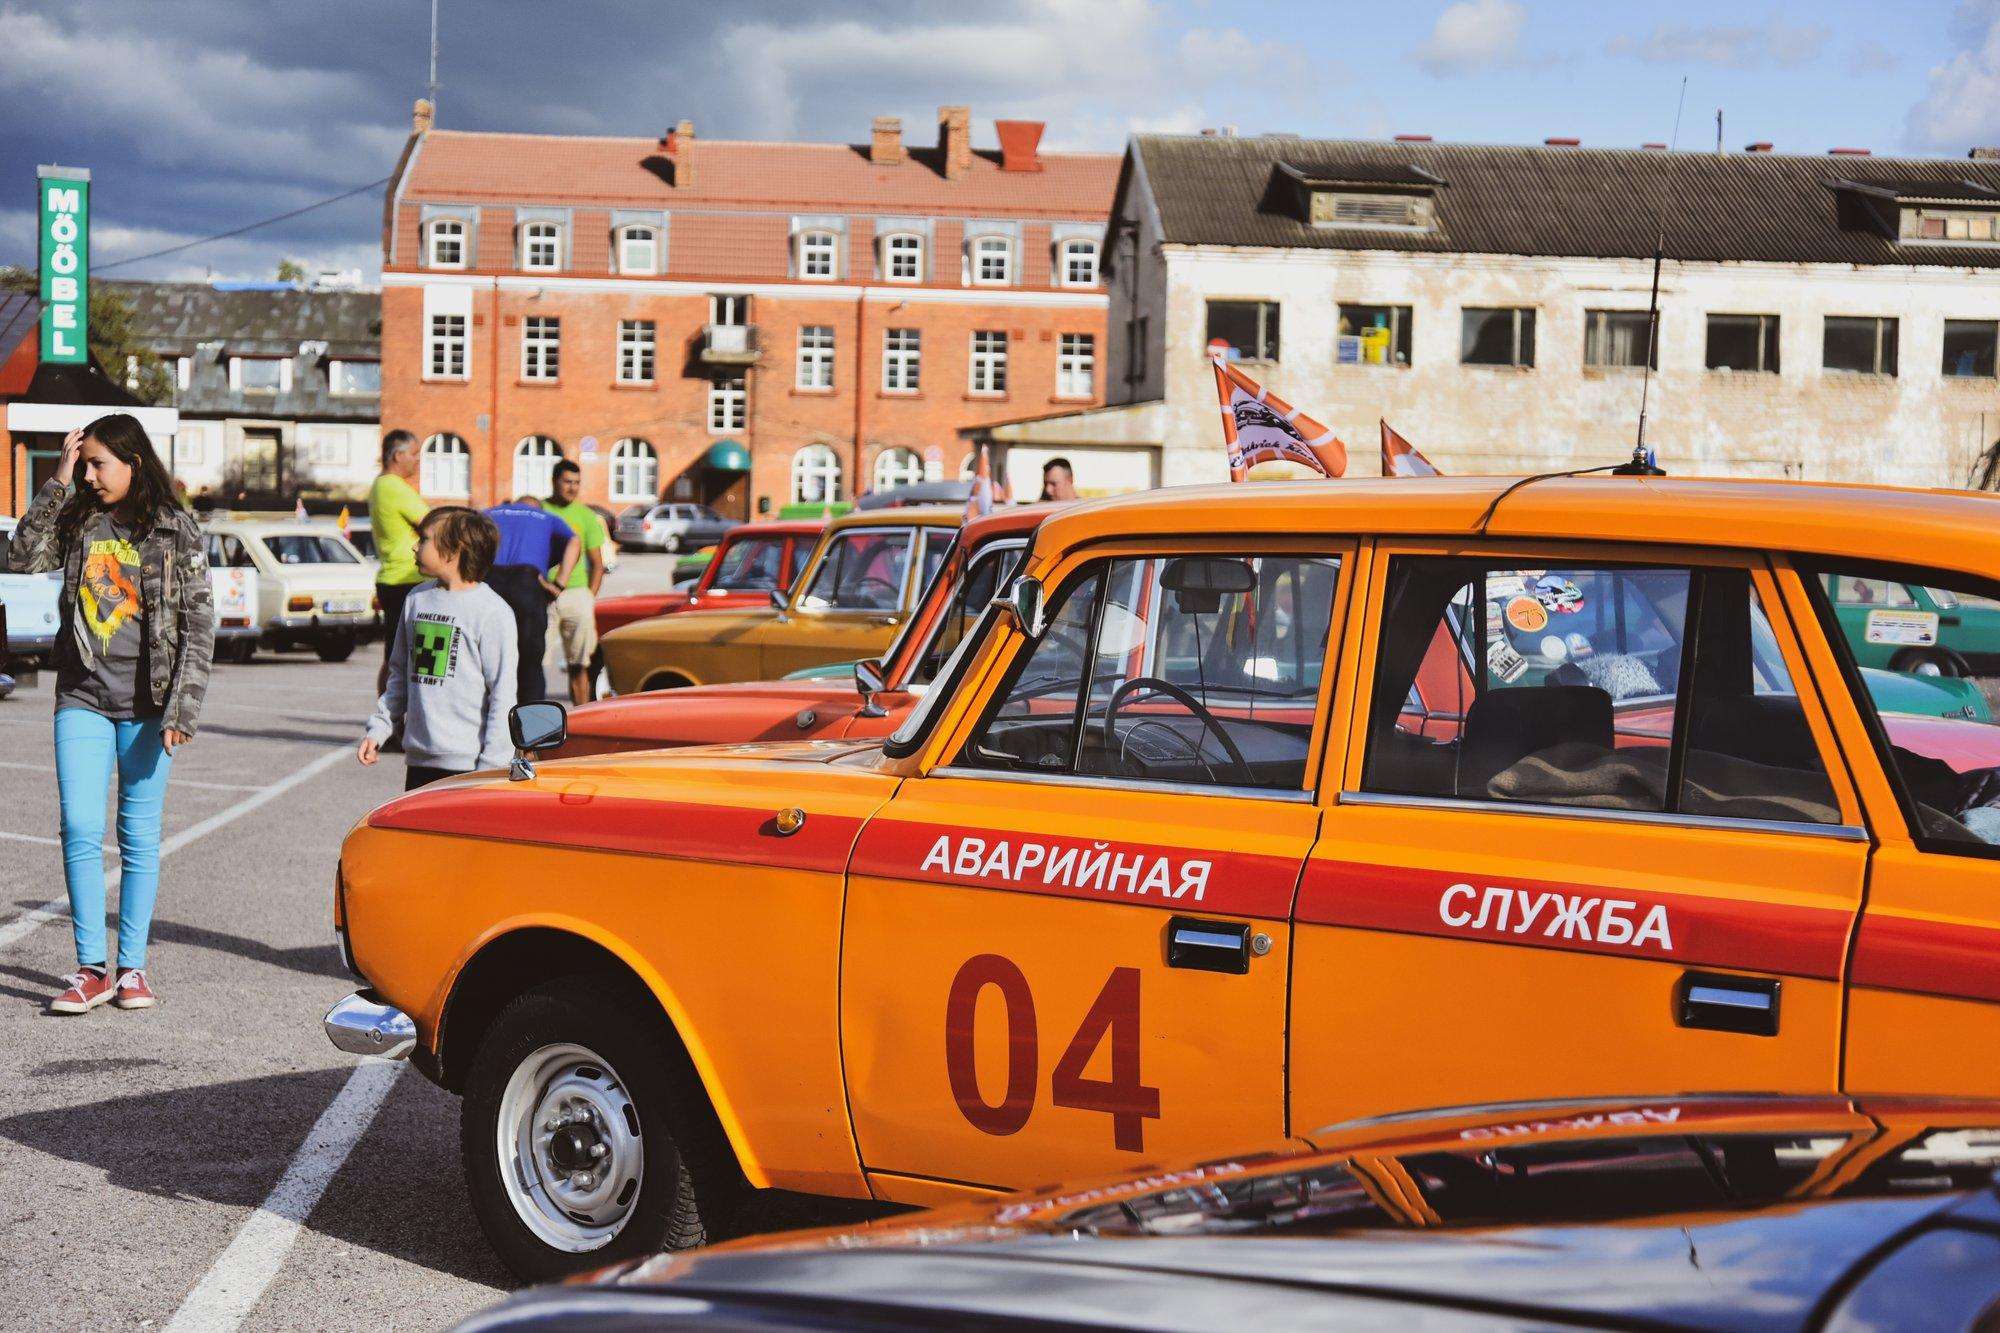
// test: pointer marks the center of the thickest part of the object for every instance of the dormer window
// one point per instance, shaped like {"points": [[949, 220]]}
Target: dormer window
{"points": [[992, 261], [819, 253], [903, 257], [541, 246], [639, 249], [445, 244], [1340, 208], [1078, 264], [1383, 196], [1932, 223]]}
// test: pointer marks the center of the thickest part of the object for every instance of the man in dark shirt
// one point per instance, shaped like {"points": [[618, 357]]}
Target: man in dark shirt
{"points": [[532, 541]]}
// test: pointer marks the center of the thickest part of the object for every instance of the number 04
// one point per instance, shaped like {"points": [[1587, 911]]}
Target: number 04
{"points": [[1114, 1013]]}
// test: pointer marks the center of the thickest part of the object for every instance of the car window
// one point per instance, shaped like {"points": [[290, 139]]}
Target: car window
{"points": [[991, 570], [750, 564], [225, 552], [799, 552], [1582, 686], [1871, 592], [937, 545], [1927, 680], [863, 570], [1186, 669], [298, 548]]}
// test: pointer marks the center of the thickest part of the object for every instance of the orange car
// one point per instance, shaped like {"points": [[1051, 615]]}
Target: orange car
{"points": [[983, 559], [1160, 866]]}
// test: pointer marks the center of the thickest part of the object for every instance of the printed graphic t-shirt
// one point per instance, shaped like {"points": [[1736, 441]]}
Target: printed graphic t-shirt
{"points": [[111, 614]]}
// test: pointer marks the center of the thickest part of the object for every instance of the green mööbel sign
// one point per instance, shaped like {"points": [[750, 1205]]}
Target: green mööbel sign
{"points": [[65, 212]]}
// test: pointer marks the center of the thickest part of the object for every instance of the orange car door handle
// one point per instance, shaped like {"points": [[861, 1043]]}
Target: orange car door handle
{"points": [[1723, 1003], [1208, 946]]}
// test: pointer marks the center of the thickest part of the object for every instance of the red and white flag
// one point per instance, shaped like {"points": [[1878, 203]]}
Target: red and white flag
{"points": [[980, 503], [1400, 458], [1259, 427]]}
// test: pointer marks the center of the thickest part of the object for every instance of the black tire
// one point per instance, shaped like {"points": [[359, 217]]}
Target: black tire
{"points": [[240, 650], [664, 1213], [336, 649]]}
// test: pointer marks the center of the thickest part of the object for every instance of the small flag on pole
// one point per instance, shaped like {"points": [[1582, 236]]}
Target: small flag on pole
{"points": [[346, 520], [1400, 458], [1258, 427], [980, 502]]}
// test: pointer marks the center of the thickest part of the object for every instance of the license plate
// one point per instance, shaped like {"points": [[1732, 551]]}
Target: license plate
{"points": [[335, 606]]}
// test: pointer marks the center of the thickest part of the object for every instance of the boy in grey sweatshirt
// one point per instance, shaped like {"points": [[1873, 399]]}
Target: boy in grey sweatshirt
{"points": [[452, 668]]}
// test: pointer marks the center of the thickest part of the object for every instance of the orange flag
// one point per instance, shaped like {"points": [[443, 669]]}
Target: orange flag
{"points": [[1400, 458], [1258, 427], [980, 502]]}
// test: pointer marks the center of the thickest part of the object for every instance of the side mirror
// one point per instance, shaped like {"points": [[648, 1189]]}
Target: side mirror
{"points": [[781, 600], [870, 676], [1023, 602]]}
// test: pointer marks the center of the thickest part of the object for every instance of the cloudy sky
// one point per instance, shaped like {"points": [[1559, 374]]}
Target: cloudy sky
{"points": [[197, 116]]}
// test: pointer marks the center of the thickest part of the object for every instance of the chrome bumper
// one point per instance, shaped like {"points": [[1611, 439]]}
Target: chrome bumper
{"points": [[362, 1024]]}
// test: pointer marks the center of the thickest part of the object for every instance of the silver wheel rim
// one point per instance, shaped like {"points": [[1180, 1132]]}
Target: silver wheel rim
{"points": [[570, 1154], [1929, 667]]}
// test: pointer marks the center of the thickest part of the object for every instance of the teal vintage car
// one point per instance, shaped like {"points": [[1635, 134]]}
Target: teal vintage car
{"points": [[1925, 696], [1909, 627]]}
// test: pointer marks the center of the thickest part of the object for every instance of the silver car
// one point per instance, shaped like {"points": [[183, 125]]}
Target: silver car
{"points": [[670, 527]]}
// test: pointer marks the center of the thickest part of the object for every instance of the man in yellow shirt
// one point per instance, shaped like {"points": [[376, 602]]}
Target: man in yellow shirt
{"points": [[394, 510]]}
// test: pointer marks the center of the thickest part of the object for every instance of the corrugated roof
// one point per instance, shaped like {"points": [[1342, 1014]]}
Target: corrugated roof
{"points": [[1571, 202], [459, 167], [174, 316]]}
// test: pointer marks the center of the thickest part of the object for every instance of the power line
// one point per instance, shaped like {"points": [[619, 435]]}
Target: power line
{"points": [[253, 226]]}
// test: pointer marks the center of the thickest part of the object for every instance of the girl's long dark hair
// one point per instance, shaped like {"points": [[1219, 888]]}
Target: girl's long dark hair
{"points": [[151, 498]]}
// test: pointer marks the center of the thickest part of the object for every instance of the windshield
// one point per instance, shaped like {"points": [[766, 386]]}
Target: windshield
{"points": [[750, 564], [294, 548], [863, 569]]}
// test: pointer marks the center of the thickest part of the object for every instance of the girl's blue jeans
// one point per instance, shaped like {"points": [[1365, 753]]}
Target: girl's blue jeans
{"points": [[87, 745]]}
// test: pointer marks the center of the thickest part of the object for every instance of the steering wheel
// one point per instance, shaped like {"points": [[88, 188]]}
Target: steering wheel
{"points": [[1154, 685], [894, 593]]}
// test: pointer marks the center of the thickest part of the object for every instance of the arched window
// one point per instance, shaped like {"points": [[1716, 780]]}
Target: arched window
{"points": [[445, 468], [541, 246], [444, 243], [1078, 265], [638, 249], [815, 475], [992, 261], [535, 459], [897, 467], [819, 255], [903, 257], [635, 471]]}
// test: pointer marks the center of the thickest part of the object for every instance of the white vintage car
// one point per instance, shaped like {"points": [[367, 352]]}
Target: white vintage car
{"points": [[312, 586], [32, 605]]}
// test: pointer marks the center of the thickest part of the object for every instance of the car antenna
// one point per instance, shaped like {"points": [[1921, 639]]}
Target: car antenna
{"points": [[1640, 464]]}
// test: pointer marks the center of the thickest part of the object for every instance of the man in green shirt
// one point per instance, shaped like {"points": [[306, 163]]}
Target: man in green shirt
{"points": [[575, 609], [394, 510]]}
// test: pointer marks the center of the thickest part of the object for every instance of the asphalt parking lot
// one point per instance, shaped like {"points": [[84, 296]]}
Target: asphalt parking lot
{"points": [[164, 1168]]}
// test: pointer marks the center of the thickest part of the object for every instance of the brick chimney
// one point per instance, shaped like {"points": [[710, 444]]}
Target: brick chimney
{"points": [[1756, 147], [678, 145], [1018, 141], [955, 141], [886, 147], [421, 116], [1984, 154]]}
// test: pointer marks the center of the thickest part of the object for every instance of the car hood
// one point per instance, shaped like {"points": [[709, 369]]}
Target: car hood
{"points": [[718, 626], [654, 712]]}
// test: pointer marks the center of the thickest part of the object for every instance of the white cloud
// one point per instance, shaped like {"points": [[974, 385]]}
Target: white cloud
{"points": [[1474, 34], [1738, 46], [1962, 107]]}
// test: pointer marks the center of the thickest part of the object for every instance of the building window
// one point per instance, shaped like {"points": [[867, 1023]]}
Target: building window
{"points": [[989, 361], [1860, 345], [819, 255], [639, 250], [1934, 224], [902, 358], [1618, 338], [815, 475], [1497, 337], [535, 460], [447, 243], [541, 246], [728, 309], [1968, 348], [1331, 208], [1076, 365], [1373, 335], [1246, 330], [354, 377], [1743, 342], [184, 373], [635, 351], [725, 404], [444, 468], [897, 467], [903, 257], [635, 471], [260, 374], [541, 346], [815, 356], [992, 261], [1079, 263], [445, 354]]}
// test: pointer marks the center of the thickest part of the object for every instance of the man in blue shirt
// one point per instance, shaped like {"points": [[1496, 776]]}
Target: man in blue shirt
{"points": [[532, 541]]}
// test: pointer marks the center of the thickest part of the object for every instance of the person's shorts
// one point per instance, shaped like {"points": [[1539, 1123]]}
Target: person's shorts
{"points": [[392, 596], [574, 616]]}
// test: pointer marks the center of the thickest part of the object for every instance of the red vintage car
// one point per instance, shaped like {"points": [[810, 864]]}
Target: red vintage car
{"points": [[981, 561], [751, 562]]}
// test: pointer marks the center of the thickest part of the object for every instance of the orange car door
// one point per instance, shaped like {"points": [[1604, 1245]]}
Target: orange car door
{"points": [[1066, 945], [1628, 870], [1924, 1004], [847, 606]]}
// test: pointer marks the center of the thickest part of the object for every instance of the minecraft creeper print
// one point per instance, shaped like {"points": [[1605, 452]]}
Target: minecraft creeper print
{"points": [[431, 657]]}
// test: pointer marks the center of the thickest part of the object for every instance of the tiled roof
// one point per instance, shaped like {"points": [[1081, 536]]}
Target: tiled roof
{"points": [[1572, 202], [458, 167]]}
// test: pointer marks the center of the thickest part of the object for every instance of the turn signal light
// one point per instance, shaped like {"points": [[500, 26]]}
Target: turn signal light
{"points": [[299, 604]]}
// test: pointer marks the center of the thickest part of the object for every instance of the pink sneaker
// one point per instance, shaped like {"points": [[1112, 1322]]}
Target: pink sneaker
{"points": [[133, 992], [88, 987]]}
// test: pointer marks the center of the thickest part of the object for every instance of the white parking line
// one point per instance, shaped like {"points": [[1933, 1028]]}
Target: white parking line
{"points": [[22, 926], [234, 1284], [30, 837], [178, 782]]}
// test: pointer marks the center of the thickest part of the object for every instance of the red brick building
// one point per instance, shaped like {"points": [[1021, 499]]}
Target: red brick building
{"points": [[740, 324]]}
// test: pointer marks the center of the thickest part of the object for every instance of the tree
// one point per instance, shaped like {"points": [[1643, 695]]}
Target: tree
{"points": [[115, 338], [290, 270]]}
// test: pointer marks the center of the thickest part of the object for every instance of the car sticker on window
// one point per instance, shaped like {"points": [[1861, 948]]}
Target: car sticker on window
{"points": [[1527, 615], [1559, 595], [1917, 629], [1506, 665]]}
